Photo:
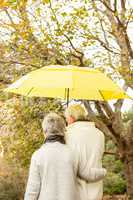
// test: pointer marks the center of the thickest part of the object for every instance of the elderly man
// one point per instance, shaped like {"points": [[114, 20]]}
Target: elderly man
{"points": [[53, 169], [88, 144]]}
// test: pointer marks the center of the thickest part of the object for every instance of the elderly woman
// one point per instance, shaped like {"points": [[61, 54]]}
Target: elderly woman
{"points": [[53, 168]]}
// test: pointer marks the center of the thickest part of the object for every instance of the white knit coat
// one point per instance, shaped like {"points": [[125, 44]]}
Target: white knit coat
{"points": [[87, 142], [53, 172]]}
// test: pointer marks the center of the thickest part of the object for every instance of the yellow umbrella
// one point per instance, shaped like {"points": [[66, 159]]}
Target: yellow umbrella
{"points": [[67, 82]]}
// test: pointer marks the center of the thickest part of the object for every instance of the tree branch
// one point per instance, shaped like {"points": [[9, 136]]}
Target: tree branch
{"points": [[114, 12], [130, 133], [68, 39], [9, 16], [118, 126], [105, 46], [119, 103], [102, 114], [73, 45], [123, 11], [89, 109], [104, 2], [106, 40], [106, 43], [123, 4], [99, 124], [128, 44], [115, 5], [115, 124], [110, 153], [17, 62], [129, 18], [121, 36], [107, 109]]}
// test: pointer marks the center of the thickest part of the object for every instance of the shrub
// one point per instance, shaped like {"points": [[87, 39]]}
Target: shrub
{"points": [[12, 182], [114, 184], [25, 128]]}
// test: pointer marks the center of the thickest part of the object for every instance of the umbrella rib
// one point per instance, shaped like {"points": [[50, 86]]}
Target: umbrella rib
{"points": [[101, 95], [29, 91], [67, 95]]}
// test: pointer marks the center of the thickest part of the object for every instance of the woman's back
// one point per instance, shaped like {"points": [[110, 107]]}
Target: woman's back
{"points": [[55, 165]]}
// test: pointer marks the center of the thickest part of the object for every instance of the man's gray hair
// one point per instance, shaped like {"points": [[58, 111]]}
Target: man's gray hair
{"points": [[77, 111], [53, 124]]}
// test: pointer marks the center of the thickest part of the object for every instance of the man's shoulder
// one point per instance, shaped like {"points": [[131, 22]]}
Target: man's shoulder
{"points": [[84, 133], [100, 133]]}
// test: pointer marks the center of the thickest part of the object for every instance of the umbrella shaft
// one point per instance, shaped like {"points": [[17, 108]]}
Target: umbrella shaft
{"points": [[67, 96]]}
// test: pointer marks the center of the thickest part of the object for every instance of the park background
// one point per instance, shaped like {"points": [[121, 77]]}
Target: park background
{"points": [[36, 33]]}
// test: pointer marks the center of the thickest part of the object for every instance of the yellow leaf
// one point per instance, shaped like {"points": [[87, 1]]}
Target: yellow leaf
{"points": [[46, 1], [3, 3], [38, 11]]}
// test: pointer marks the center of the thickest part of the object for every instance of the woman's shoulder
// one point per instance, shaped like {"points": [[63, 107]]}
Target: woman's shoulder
{"points": [[38, 152]]}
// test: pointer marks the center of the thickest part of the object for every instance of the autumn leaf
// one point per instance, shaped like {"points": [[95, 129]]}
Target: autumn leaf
{"points": [[3, 3], [46, 1]]}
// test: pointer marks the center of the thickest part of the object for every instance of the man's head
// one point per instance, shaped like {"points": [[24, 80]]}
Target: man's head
{"points": [[75, 113], [53, 124]]}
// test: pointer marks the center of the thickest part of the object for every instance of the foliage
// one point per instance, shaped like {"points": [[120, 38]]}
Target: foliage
{"points": [[12, 182], [48, 32], [89, 33], [26, 134], [128, 116], [114, 184]]}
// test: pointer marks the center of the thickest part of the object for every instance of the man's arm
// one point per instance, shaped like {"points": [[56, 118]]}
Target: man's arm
{"points": [[92, 174], [34, 182]]}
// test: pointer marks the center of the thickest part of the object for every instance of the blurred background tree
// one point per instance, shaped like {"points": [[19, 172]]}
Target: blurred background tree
{"points": [[97, 34]]}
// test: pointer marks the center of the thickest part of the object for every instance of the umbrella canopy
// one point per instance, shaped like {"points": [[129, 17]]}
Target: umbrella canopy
{"points": [[67, 82]]}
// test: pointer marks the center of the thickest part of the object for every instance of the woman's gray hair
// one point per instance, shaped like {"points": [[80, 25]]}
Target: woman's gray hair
{"points": [[53, 124]]}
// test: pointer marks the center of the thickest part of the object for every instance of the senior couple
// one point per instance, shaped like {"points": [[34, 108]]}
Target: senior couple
{"points": [[68, 166]]}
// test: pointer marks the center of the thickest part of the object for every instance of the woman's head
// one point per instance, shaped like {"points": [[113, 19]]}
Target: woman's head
{"points": [[53, 124]]}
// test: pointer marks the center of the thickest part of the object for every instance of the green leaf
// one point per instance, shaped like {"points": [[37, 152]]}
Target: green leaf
{"points": [[64, 14], [12, 1], [38, 11]]}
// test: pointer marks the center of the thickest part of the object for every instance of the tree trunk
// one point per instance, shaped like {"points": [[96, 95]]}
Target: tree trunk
{"points": [[128, 170]]}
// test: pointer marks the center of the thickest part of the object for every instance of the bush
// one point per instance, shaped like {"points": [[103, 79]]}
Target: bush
{"points": [[12, 182], [25, 128], [114, 184], [112, 164]]}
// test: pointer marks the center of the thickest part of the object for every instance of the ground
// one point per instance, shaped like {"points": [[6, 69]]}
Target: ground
{"points": [[115, 197]]}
